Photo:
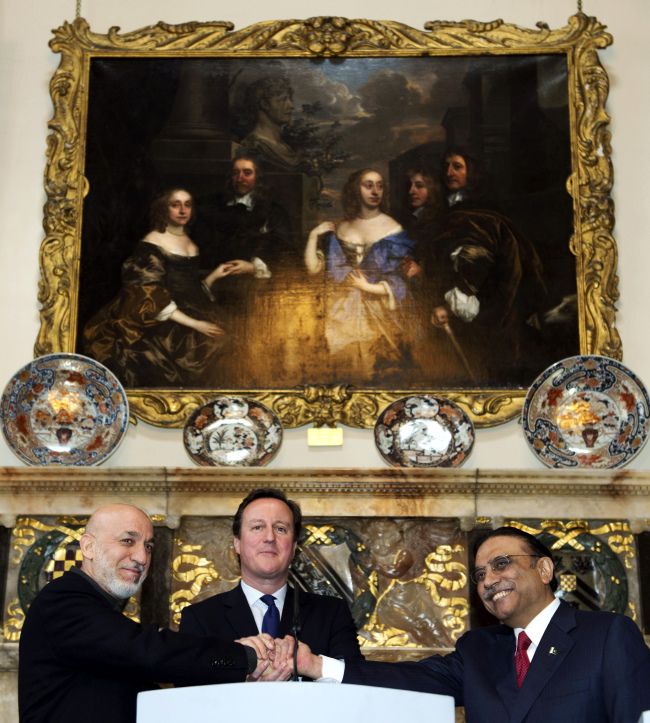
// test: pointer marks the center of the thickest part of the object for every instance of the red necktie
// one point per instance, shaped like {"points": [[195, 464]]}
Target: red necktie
{"points": [[521, 657]]}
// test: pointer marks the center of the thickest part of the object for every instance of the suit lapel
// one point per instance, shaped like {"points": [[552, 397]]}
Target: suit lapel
{"points": [[502, 664], [546, 663], [238, 613]]}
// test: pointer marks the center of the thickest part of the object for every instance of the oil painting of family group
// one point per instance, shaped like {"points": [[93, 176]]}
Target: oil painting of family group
{"points": [[384, 222]]}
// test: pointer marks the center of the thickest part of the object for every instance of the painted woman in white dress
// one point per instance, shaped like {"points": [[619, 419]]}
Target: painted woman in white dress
{"points": [[370, 321]]}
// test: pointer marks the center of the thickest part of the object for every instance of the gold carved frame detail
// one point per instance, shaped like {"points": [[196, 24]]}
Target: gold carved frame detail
{"points": [[589, 184]]}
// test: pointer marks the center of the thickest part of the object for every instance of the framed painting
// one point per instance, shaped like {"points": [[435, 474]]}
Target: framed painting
{"points": [[329, 214]]}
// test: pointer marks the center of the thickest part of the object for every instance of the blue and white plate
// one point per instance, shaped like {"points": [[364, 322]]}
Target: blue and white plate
{"points": [[424, 431], [64, 409]]}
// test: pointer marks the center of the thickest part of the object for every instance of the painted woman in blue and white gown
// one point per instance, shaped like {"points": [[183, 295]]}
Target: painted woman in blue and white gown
{"points": [[371, 324]]}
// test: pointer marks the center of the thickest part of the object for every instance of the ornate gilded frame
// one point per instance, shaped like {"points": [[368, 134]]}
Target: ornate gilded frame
{"points": [[589, 184]]}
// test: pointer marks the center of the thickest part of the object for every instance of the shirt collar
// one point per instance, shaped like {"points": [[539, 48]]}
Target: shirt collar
{"points": [[247, 200], [253, 595], [457, 197], [537, 626]]}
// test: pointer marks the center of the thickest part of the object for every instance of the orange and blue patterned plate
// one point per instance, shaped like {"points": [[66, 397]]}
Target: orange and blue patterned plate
{"points": [[64, 409], [588, 412], [233, 432]]}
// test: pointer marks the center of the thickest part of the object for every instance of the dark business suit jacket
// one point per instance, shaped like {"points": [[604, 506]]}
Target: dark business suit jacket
{"points": [[590, 667], [83, 661], [326, 622]]}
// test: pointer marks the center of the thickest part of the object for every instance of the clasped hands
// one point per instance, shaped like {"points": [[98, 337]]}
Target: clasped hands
{"points": [[275, 658]]}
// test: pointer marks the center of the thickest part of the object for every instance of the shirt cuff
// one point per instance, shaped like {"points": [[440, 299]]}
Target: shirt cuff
{"points": [[333, 670], [261, 269], [463, 306]]}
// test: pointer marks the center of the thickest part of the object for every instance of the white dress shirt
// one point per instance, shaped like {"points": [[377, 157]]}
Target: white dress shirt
{"points": [[537, 627], [332, 669], [259, 608]]}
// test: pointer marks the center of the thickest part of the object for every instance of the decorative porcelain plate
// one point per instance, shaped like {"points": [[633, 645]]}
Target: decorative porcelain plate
{"points": [[64, 409], [424, 431], [233, 432], [586, 411]]}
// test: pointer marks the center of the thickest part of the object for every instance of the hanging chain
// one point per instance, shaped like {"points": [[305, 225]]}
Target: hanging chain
{"points": [[78, 10], [579, 5]]}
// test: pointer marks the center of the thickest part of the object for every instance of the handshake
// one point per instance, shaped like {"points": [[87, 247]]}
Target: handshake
{"points": [[275, 658]]}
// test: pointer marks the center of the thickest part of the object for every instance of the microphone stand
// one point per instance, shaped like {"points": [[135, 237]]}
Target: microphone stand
{"points": [[295, 631]]}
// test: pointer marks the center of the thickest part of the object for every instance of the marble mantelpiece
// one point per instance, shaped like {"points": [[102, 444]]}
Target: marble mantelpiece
{"points": [[467, 495]]}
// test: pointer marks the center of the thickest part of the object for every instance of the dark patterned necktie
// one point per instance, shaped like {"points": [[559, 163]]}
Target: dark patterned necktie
{"points": [[521, 657], [271, 620]]}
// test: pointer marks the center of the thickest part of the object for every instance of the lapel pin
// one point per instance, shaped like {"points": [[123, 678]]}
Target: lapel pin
{"points": [[553, 651]]}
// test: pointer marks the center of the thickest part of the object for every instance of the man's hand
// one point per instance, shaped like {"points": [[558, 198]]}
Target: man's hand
{"points": [[309, 665], [263, 644], [440, 316], [283, 653], [266, 673], [239, 266]]}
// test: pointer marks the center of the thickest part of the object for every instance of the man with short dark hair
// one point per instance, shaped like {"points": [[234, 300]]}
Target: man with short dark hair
{"points": [[266, 529], [82, 660], [546, 662]]}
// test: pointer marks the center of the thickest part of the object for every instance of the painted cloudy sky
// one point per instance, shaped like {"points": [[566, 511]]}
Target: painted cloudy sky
{"points": [[385, 105]]}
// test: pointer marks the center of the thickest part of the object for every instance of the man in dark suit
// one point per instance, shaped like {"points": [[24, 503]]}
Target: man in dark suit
{"points": [[266, 528], [546, 662], [249, 236], [242, 228], [82, 660], [485, 278]]}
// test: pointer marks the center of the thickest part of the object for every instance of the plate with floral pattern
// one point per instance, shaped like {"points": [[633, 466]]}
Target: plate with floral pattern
{"points": [[424, 431], [586, 412], [64, 409], [233, 432]]}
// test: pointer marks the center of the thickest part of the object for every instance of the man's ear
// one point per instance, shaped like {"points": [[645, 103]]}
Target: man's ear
{"points": [[237, 543], [546, 569], [87, 545]]}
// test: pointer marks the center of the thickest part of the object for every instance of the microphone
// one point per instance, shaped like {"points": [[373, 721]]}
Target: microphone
{"points": [[295, 631]]}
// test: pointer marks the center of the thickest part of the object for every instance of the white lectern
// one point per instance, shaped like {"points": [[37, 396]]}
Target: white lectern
{"points": [[315, 702]]}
